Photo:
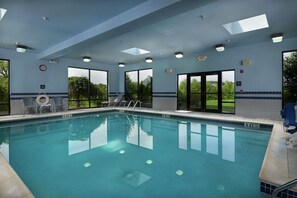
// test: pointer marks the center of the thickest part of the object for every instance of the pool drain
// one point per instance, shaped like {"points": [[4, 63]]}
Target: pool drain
{"points": [[87, 164], [179, 172], [122, 151], [149, 161]]}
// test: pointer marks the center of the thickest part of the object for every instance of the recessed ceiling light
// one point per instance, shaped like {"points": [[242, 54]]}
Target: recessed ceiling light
{"points": [[21, 48], [220, 47], [2, 12], [121, 64], [179, 55], [149, 60], [247, 25], [86, 59], [135, 51], [276, 38]]}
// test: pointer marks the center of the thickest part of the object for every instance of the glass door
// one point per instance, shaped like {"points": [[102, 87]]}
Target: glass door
{"points": [[195, 92], [212, 92], [207, 92]]}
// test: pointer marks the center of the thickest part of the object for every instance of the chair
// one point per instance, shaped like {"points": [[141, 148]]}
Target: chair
{"points": [[29, 105], [58, 104], [115, 102], [290, 125], [289, 114]]}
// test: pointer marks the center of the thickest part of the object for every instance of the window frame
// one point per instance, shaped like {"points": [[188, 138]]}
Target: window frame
{"points": [[89, 88], [138, 83], [8, 86], [203, 91]]}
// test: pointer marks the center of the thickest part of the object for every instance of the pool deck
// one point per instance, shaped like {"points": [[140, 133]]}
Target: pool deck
{"points": [[279, 164]]}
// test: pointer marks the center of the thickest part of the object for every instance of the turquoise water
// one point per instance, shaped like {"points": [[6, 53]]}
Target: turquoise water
{"points": [[119, 155]]}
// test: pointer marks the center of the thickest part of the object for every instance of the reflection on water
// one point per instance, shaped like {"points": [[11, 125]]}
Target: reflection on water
{"points": [[87, 134], [140, 132], [96, 154], [212, 139]]}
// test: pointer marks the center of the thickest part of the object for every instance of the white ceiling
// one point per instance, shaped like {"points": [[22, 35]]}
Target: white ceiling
{"points": [[101, 29]]}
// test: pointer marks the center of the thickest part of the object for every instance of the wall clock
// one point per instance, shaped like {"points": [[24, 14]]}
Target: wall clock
{"points": [[42, 67]]}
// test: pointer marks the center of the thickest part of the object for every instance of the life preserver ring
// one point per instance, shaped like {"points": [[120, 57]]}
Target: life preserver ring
{"points": [[42, 100]]}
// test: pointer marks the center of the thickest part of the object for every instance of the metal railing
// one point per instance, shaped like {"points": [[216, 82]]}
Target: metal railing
{"points": [[283, 187], [134, 103]]}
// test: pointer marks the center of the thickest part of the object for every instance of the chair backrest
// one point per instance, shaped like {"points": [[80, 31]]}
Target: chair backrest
{"points": [[57, 100], [289, 113], [28, 101]]}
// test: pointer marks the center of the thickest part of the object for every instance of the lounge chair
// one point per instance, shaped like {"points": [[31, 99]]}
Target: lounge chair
{"points": [[115, 102], [289, 115]]}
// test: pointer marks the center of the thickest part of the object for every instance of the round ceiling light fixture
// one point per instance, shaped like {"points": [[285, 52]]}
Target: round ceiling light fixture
{"points": [[21, 48], [121, 64], [179, 55], [149, 60], [86, 59]]}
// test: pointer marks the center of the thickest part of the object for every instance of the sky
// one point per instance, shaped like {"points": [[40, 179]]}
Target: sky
{"points": [[97, 77]]}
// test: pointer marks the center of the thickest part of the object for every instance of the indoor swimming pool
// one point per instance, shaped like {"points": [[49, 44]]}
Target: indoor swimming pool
{"points": [[117, 154]]}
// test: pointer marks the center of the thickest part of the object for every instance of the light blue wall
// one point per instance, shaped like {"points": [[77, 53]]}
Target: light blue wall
{"points": [[25, 76], [260, 93], [264, 74]]}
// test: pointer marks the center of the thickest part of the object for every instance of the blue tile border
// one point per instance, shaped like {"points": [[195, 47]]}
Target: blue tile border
{"points": [[258, 97], [164, 94], [259, 92], [269, 188], [48, 93]]}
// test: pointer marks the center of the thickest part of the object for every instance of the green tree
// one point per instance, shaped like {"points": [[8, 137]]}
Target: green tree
{"points": [[290, 78], [78, 89], [131, 89], [4, 68], [228, 90], [4, 94], [182, 94]]}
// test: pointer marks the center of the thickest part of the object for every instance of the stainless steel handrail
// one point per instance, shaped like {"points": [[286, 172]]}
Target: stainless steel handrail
{"points": [[283, 187], [131, 102], [137, 101]]}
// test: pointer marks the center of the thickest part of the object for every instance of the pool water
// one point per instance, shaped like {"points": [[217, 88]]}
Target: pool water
{"points": [[122, 155]]}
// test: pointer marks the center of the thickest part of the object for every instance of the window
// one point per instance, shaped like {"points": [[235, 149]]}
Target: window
{"points": [[228, 97], [4, 88], [207, 91], [182, 92], [289, 77], [138, 86], [86, 88]]}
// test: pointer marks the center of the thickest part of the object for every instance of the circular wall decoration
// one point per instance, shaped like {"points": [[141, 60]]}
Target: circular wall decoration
{"points": [[42, 67]]}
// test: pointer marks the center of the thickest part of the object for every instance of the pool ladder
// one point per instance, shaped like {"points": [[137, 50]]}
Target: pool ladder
{"points": [[134, 103], [283, 187]]}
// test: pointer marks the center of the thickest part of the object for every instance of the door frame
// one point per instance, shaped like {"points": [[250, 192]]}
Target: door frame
{"points": [[203, 91]]}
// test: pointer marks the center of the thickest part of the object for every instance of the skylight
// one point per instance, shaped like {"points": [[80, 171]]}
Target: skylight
{"points": [[2, 12], [247, 25], [136, 51]]}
